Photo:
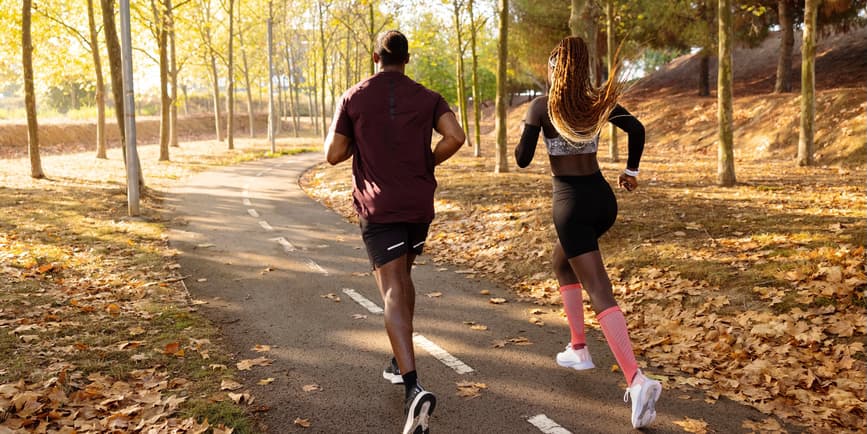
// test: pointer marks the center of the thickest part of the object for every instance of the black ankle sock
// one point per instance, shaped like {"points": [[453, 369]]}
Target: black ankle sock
{"points": [[410, 380]]}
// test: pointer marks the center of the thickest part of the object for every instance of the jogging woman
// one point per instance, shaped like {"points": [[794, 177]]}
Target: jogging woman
{"points": [[584, 207]]}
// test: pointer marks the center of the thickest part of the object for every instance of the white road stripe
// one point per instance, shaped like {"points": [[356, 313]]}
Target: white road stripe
{"points": [[441, 354], [246, 202], [253, 212], [287, 246], [315, 267], [546, 425], [363, 301], [432, 348], [265, 225]]}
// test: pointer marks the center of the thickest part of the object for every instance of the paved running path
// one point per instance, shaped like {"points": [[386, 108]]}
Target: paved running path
{"points": [[269, 254]]}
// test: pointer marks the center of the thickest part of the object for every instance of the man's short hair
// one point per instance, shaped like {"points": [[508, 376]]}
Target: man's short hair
{"points": [[392, 48]]}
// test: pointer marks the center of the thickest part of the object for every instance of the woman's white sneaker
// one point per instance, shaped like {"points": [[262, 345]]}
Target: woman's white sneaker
{"points": [[575, 359], [644, 394]]}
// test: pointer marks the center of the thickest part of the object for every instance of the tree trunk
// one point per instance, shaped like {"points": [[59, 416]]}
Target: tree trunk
{"points": [[726, 163], [114, 61], [292, 97], [230, 87], [502, 163], [29, 93], [808, 84], [459, 65], [787, 44], [704, 73], [372, 36], [477, 116], [173, 75], [323, 124], [215, 80], [100, 84], [165, 102], [612, 130], [246, 71]]}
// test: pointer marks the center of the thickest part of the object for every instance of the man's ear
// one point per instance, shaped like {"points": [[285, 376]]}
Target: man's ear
{"points": [[376, 57], [407, 59]]}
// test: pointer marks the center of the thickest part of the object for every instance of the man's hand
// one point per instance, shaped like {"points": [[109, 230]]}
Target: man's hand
{"points": [[628, 183]]}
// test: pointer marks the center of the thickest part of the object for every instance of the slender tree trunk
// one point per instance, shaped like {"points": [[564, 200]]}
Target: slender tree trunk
{"points": [[477, 116], [230, 88], [808, 84], [114, 61], [100, 83], [29, 93], [293, 98], [726, 163], [246, 71], [459, 65], [502, 163], [173, 73], [787, 44], [165, 102], [323, 124], [215, 81], [704, 73], [612, 130], [372, 36]]}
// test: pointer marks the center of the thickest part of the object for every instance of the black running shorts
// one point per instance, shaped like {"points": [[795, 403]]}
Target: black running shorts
{"points": [[386, 242], [584, 208]]}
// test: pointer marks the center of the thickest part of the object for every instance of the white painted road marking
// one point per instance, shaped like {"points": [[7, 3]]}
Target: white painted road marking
{"points": [[441, 354], [546, 425], [247, 202], [311, 264], [363, 301], [432, 348], [265, 225], [287, 246], [253, 213]]}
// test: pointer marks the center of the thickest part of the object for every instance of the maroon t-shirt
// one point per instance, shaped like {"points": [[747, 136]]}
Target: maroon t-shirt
{"points": [[389, 119]]}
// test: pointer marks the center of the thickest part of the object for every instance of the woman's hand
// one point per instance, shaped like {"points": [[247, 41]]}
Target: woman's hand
{"points": [[627, 182]]}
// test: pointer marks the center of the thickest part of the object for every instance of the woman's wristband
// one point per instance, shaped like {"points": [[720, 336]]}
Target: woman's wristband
{"points": [[630, 172]]}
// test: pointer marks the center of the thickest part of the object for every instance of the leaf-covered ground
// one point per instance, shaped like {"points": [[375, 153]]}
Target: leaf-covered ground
{"points": [[755, 292], [97, 333]]}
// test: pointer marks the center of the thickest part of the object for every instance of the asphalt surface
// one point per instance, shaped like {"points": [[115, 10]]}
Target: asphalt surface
{"points": [[261, 290]]}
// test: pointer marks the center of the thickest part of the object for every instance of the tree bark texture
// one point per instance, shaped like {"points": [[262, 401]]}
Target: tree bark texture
{"points": [[29, 93], [230, 87], [787, 43], [246, 71], [502, 162], [612, 130], [725, 160], [114, 61], [99, 94], [808, 84], [477, 115], [173, 75], [159, 12]]}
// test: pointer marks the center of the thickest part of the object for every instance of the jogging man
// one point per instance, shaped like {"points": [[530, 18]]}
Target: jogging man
{"points": [[384, 123]]}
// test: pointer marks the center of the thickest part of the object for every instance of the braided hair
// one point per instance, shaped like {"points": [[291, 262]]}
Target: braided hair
{"points": [[577, 109]]}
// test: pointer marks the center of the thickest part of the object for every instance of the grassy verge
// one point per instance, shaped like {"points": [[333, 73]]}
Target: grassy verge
{"points": [[96, 332], [755, 292]]}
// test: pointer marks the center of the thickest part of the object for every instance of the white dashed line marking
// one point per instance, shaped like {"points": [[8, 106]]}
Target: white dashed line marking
{"points": [[546, 425], [247, 202], [287, 246], [363, 301], [265, 226], [311, 264], [441, 354], [253, 213], [432, 348]]}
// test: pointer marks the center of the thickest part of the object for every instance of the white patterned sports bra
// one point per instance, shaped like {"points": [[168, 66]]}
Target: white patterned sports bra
{"points": [[558, 146]]}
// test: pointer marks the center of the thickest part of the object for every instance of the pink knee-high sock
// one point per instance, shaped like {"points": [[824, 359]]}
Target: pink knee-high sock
{"points": [[574, 307], [614, 327]]}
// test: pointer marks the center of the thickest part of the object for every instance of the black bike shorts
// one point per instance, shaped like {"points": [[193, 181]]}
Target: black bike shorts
{"points": [[386, 242], [584, 208]]}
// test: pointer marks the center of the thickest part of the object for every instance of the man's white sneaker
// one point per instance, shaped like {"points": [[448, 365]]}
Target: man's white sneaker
{"points": [[575, 359], [644, 394]]}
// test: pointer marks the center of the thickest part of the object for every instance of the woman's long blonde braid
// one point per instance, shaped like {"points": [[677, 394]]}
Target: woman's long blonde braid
{"points": [[577, 109]]}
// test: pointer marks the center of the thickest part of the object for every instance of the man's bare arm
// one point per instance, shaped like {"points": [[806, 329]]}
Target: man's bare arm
{"points": [[452, 140], [338, 147]]}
